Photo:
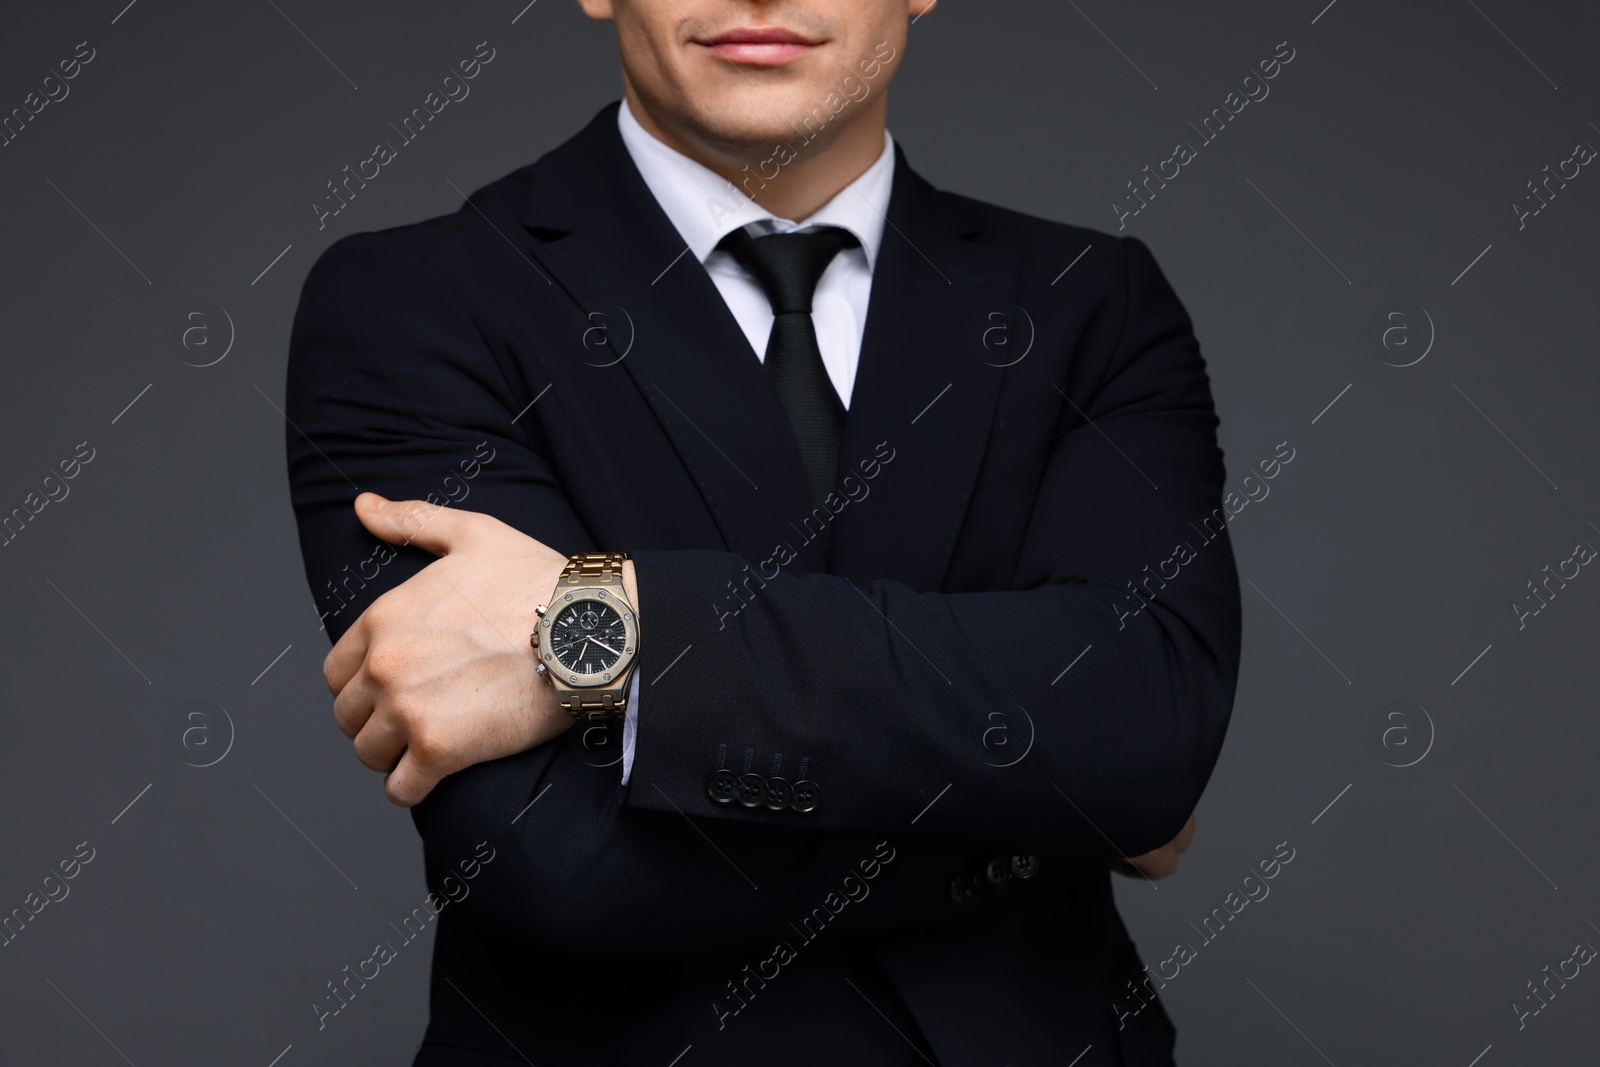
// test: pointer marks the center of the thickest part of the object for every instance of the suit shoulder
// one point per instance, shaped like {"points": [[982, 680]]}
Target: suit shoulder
{"points": [[1046, 245], [449, 243], [994, 224]]}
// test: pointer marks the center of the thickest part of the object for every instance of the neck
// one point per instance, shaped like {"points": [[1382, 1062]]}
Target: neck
{"points": [[809, 172]]}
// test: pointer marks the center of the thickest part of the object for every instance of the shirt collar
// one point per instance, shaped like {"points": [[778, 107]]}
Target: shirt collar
{"points": [[705, 207]]}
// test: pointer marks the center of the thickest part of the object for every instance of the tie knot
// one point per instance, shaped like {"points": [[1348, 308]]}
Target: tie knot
{"points": [[788, 266]]}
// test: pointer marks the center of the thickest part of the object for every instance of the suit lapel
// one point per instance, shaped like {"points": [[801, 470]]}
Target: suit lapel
{"points": [[926, 389], [603, 239]]}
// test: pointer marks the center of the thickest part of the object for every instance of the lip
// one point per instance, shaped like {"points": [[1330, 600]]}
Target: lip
{"points": [[762, 46]]}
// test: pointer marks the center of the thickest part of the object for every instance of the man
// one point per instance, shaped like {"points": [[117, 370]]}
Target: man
{"points": [[878, 552]]}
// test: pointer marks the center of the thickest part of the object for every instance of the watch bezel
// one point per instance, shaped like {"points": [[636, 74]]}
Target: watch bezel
{"points": [[568, 600]]}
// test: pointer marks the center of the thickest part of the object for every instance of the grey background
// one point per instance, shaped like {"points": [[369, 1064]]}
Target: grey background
{"points": [[1383, 564]]}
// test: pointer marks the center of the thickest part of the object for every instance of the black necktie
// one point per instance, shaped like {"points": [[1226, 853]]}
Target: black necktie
{"points": [[788, 266]]}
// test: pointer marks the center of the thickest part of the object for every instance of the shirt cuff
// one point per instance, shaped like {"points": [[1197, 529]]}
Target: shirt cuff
{"points": [[630, 726]]}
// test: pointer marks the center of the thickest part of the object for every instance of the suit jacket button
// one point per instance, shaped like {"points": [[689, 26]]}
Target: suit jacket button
{"points": [[723, 786], [962, 886], [1025, 866], [777, 793], [997, 871], [752, 790], [807, 795]]}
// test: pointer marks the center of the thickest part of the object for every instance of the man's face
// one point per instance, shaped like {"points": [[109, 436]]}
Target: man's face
{"points": [[741, 75]]}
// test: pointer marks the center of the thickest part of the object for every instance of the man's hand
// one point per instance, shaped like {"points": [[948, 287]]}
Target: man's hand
{"points": [[437, 674], [1160, 862]]}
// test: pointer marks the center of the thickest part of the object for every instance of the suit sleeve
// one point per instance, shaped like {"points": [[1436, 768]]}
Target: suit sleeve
{"points": [[393, 388], [894, 693]]}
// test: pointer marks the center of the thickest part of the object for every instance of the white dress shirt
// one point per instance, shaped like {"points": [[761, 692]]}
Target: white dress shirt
{"points": [[705, 208]]}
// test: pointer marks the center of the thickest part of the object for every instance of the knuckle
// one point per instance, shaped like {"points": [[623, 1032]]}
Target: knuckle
{"points": [[395, 789], [404, 713], [407, 788], [344, 717], [380, 613], [369, 755], [387, 663], [428, 745], [414, 517]]}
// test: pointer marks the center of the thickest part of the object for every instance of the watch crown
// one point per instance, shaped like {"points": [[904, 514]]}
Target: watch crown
{"points": [[540, 669], [539, 610]]}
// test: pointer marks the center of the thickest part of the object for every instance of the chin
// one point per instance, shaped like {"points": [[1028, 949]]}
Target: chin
{"points": [[760, 120]]}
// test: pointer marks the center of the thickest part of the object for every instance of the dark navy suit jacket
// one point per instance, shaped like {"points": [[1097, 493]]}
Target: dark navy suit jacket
{"points": [[1017, 656]]}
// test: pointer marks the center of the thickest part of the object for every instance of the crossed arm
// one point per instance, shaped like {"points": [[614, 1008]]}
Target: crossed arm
{"points": [[433, 678], [435, 675]]}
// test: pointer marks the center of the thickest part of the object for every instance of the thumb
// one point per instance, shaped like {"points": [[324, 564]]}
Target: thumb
{"points": [[411, 522]]}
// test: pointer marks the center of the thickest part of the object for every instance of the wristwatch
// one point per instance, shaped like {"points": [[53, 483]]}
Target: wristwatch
{"points": [[587, 641]]}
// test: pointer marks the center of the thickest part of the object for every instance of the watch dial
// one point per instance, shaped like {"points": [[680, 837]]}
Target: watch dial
{"points": [[588, 637]]}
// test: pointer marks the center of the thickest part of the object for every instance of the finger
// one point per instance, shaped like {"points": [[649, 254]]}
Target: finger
{"points": [[411, 780], [1186, 835], [413, 522], [381, 742], [348, 654], [354, 705], [1158, 864]]}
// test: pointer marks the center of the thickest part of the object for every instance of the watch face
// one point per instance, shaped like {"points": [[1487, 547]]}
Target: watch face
{"points": [[589, 640]]}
